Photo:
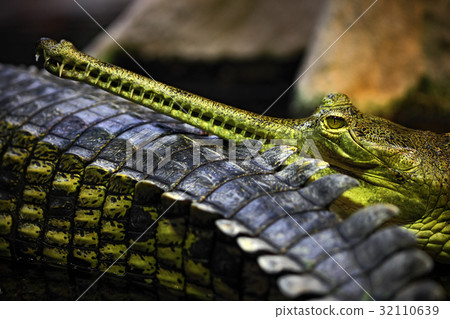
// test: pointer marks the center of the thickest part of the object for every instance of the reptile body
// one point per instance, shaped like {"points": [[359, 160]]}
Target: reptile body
{"points": [[394, 164], [94, 182]]}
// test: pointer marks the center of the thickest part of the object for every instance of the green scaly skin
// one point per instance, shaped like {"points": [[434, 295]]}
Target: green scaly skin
{"points": [[394, 164]]}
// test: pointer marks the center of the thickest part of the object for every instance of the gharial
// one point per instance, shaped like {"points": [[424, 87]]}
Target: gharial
{"points": [[394, 164]]}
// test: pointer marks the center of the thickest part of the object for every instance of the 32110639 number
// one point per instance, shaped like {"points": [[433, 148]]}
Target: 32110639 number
{"points": [[406, 310]]}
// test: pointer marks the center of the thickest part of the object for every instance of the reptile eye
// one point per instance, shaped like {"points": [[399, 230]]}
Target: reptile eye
{"points": [[335, 122]]}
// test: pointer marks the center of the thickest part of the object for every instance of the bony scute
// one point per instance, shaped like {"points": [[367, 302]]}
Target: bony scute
{"points": [[363, 146]]}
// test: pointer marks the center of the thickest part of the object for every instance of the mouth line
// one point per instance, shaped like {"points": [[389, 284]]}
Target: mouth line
{"points": [[352, 135], [347, 163], [383, 162]]}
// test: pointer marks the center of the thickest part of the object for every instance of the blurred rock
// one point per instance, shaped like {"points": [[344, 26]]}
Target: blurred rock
{"points": [[381, 58], [211, 29], [437, 40]]}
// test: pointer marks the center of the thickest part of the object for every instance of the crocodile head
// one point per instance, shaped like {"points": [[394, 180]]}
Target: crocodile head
{"points": [[394, 164]]}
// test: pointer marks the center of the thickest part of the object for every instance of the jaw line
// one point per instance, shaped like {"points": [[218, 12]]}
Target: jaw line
{"points": [[359, 170], [365, 149], [347, 161]]}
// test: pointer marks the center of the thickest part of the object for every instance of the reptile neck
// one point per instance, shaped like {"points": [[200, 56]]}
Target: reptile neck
{"points": [[64, 60]]}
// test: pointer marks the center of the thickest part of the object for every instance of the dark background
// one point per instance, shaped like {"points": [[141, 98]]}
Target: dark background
{"points": [[249, 84]]}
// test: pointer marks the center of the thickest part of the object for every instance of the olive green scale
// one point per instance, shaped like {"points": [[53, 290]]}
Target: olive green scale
{"points": [[72, 209], [408, 168], [205, 228], [91, 232]]}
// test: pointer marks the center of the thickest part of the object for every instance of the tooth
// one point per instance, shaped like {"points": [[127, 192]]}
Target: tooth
{"points": [[61, 67], [36, 56]]}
